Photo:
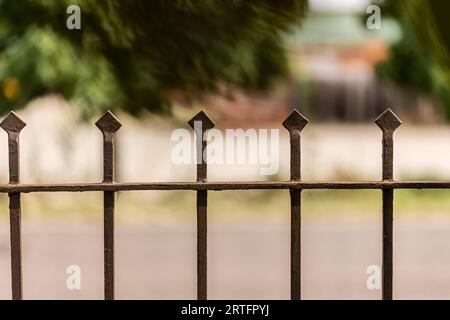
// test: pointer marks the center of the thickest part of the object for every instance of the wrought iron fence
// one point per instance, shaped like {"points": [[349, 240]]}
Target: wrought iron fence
{"points": [[108, 125]]}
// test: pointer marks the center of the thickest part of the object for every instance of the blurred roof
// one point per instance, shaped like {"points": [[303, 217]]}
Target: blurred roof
{"points": [[340, 28], [339, 5]]}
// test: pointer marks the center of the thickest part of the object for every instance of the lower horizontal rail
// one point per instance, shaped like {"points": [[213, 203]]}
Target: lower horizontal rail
{"points": [[220, 186]]}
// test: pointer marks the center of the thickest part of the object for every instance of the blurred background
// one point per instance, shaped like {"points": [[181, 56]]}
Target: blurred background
{"points": [[247, 64]]}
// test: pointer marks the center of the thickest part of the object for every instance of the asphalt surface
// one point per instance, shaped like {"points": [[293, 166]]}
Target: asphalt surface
{"points": [[245, 262]]}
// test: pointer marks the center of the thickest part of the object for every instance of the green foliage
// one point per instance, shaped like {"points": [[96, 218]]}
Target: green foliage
{"points": [[135, 54], [420, 60], [411, 64]]}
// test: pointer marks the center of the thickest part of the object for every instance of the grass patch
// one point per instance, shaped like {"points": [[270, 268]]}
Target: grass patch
{"points": [[173, 206]]}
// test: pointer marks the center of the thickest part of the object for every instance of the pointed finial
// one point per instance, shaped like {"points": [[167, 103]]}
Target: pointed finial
{"points": [[108, 123], [388, 121], [205, 120], [295, 121], [12, 123]]}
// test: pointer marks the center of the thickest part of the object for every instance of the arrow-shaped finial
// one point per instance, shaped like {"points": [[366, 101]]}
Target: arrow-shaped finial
{"points": [[108, 123], [295, 121], [204, 119], [12, 123], [388, 121]]}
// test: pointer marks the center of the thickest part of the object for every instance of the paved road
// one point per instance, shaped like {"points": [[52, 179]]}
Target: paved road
{"points": [[245, 262]]}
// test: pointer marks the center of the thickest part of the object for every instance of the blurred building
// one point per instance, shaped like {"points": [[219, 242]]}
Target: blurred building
{"points": [[333, 56]]}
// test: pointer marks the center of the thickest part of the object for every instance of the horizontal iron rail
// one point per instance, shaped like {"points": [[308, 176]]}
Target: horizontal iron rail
{"points": [[222, 186]]}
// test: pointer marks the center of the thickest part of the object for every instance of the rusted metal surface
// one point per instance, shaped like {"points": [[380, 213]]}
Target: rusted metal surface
{"points": [[295, 124], [12, 124], [388, 123], [201, 123], [108, 125], [223, 186]]}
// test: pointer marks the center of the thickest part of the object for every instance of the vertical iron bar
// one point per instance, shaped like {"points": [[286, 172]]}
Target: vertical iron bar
{"points": [[388, 228], [12, 124], [202, 224], [388, 123], [202, 248], [108, 242], [387, 270], [295, 244], [108, 124], [295, 123], [201, 123], [16, 245]]}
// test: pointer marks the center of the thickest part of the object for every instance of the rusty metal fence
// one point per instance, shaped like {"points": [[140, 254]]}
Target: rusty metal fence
{"points": [[108, 125]]}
